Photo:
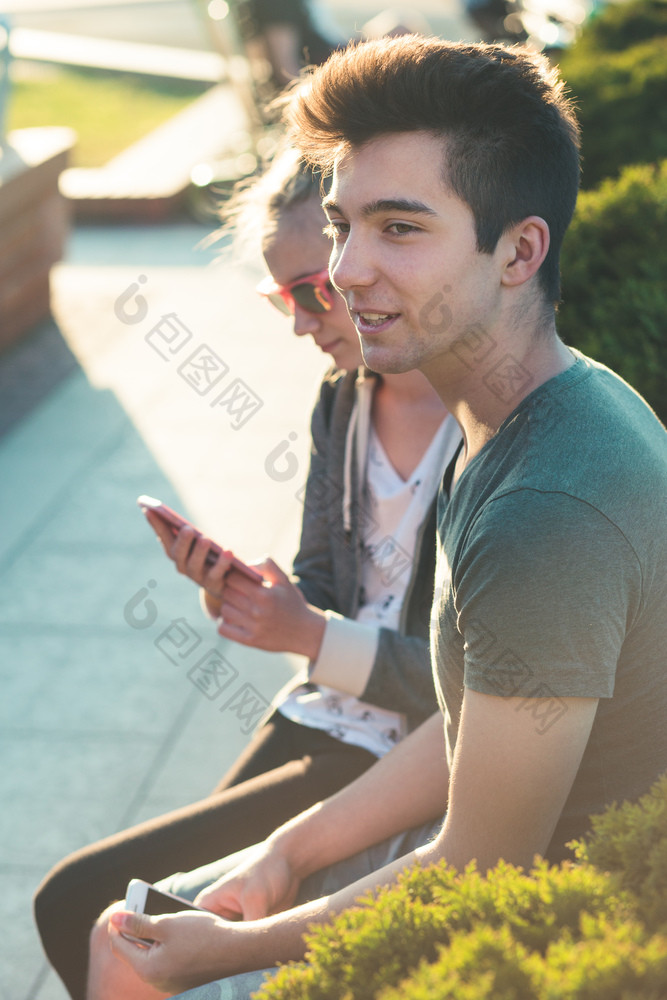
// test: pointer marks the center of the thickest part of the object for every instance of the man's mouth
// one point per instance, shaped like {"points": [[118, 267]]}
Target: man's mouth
{"points": [[373, 320]]}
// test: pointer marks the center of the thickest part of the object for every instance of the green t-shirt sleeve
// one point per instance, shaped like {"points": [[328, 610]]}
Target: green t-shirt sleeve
{"points": [[545, 591]]}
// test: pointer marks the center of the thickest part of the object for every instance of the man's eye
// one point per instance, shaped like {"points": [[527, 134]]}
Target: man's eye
{"points": [[402, 228], [334, 230]]}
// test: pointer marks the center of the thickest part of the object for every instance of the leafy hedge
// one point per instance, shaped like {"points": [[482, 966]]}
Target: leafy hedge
{"points": [[622, 105], [630, 843], [594, 930], [613, 269], [619, 26]]}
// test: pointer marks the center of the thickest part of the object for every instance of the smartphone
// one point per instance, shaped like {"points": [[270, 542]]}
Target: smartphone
{"points": [[175, 522], [142, 897]]}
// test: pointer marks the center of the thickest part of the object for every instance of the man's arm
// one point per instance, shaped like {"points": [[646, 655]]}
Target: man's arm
{"points": [[511, 778], [509, 783], [405, 788]]}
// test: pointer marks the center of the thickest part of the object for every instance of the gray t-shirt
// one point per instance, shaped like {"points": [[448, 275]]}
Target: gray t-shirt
{"points": [[552, 580]]}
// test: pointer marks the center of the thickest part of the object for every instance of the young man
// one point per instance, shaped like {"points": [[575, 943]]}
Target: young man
{"points": [[455, 173]]}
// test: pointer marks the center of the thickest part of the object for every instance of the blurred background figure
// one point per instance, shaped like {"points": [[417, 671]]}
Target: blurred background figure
{"points": [[287, 35], [546, 25], [392, 22]]}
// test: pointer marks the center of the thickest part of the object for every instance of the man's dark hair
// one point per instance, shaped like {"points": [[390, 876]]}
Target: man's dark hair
{"points": [[512, 137]]}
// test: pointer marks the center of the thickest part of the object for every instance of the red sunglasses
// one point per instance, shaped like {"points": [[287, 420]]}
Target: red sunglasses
{"points": [[314, 293]]}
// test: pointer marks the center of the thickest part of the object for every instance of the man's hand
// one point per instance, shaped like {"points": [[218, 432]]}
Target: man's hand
{"points": [[183, 950], [264, 885], [274, 617]]}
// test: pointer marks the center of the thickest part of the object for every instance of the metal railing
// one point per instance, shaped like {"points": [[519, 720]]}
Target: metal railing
{"points": [[221, 19], [5, 82]]}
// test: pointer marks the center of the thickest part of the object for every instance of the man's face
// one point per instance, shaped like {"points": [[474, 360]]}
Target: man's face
{"points": [[405, 257]]}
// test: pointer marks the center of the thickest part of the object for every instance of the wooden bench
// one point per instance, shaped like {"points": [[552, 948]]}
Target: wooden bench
{"points": [[34, 223]]}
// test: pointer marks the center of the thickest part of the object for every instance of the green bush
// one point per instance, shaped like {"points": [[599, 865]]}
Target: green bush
{"points": [[594, 930], [630, 842], [622, 106], [606, 962], [613, 269], [377, 944], [618, 26]]}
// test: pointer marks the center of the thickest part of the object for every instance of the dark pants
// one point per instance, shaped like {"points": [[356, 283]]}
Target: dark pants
{"points": [[285, 769]]}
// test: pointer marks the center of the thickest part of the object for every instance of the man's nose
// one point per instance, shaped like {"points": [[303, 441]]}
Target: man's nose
{"points": [[351, 265]]}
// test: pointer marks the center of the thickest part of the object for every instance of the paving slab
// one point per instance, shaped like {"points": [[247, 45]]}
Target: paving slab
{"points": [[161, 373], [105, 718]]}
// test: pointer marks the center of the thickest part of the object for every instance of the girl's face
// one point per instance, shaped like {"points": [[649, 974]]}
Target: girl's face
{"points": [[296, 248]]}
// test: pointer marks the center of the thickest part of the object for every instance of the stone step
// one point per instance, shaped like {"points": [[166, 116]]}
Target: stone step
{"points": [[127, 57], [149, 179]]}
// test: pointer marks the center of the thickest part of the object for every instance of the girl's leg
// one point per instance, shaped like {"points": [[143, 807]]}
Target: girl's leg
{"points": [[280, 741]]}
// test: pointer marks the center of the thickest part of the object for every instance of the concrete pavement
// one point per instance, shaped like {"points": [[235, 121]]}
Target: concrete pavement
{"points": [[195, 392], [163, 373]]}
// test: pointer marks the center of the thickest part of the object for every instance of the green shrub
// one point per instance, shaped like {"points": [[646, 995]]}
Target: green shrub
{"points": [[630, 842], [618, 26], [622, 106], [613, 269], [487, 963], [377, 944], [607, 962], [594, 930]]}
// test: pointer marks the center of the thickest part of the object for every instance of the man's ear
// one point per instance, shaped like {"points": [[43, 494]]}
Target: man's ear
{"points": [[527, 246]]}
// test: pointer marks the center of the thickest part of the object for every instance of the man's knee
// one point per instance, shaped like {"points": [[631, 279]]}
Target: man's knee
{"points": [[99, 930], [50, 899], [69, 881]]}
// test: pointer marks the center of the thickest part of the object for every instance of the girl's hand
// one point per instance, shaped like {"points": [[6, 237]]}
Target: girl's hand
{"points": [[188, 550], [274, 616]]}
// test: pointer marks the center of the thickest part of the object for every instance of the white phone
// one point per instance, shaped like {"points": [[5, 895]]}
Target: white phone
{"points": [[142, 897]]}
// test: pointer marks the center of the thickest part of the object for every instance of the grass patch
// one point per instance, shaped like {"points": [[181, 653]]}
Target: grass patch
{"points": [[108, 111]]}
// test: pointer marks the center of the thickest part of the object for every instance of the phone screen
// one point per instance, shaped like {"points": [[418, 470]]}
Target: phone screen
{"points": [[158, 903]]}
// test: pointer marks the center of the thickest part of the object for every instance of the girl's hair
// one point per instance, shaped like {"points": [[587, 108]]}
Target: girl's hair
{"points": [[258, 204]]}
